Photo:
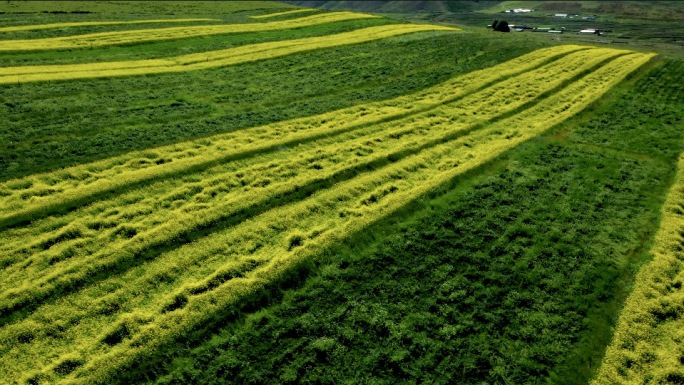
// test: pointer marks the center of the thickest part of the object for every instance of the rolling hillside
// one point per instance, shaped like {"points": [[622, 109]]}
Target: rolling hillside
{"points": [[390, 6], [256, 192]]}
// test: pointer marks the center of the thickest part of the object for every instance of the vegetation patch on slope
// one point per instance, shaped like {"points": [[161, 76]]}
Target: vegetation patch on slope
{"points": [[240, 223]]}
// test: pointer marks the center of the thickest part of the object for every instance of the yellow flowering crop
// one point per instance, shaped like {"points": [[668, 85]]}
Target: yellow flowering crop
{"points": [[270, 175]]}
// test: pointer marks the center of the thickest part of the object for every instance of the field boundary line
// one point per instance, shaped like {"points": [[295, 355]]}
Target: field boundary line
{"points": [[284, 13]]}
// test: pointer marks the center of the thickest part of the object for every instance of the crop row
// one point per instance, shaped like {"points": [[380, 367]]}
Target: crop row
{"points": [[101, 240], [205, 60], [102, 39], [647, 343], [36, 27], [38, 195], [153, 304]]}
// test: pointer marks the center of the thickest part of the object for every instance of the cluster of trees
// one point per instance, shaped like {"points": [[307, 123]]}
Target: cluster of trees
{"points": [[501, 26]]}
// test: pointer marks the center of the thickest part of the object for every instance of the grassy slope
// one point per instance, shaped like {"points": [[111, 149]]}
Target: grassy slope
{"points": [[393, 6], [510, 277], [498, 279], [637, 25]]}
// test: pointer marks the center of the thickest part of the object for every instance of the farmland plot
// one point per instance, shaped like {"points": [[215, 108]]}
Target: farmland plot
{"points": [[107, 263]]}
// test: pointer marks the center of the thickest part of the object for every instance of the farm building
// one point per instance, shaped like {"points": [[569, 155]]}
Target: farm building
{"points": [[519, 10], [591, 31]]}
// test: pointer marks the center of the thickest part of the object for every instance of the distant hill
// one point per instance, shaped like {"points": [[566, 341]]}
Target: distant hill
{"points": [[400, 6]]}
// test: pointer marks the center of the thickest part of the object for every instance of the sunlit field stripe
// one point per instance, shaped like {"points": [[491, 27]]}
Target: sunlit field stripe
{"points": [[647, 344], [243, 259], [37, 195], [285, 13], [161, 221], [37, 27], [102, 39]]}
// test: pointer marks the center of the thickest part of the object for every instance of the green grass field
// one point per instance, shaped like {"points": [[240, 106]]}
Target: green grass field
{"points": [[258, 193]]}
